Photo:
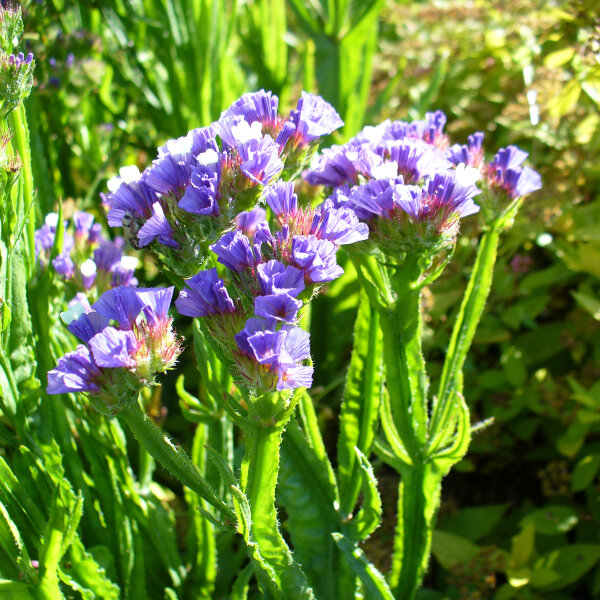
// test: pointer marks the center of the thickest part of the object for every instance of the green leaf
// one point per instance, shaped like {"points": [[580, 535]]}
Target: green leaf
{"points": [[559, 57], [474, 523], [572, 440], [591, 305], [450, 549], [360, 405], [90, 575], [373, 581], [585, 472], [523, 545], [551, 520], [16, 590], [309, 497], [369, 516], [239, 591], [266, 574], [566, 100], [591, 86], [12, 543], [564, 566]]}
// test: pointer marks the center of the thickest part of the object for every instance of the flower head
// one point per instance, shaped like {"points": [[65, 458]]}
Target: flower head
{"points": [[128, 339]]}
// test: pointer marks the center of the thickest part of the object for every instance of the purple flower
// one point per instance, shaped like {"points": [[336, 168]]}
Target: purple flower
{"points": [[281, 198], [83, 222], [417, 160], [316, 258], [63, 265], [266, 346], [202, 194], [471, 154], [335, 166], [505, 172], [170, 172], [87, 325], [429, 130], [75, 372], [376, 198], [121, 304], [296, 347], [446, 195], [107, 255], [235, 251], [95, 233], [158, 228], [44, 237], [520, 182], [260, 159], [130, 195], [195, 142], [248, 221], [313, 118], [123, 271], [127, 329], [258, 106], [276, 278], [205, 294], [292, 377], [340, 226], [113, 348], [156, 303], [281, 307], [88, 272]]}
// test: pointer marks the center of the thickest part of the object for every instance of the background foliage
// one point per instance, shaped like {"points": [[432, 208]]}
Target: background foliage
{"points": [[520, 517]]}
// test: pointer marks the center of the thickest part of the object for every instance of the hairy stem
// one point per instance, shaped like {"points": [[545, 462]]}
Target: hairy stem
{"points": [[175, 460]]}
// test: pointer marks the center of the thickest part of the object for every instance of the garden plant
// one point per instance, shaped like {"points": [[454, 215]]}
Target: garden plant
{"points": [[239, 329]]}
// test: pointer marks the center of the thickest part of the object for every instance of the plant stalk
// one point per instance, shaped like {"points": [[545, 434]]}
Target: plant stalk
{"points": [[175, 460]]}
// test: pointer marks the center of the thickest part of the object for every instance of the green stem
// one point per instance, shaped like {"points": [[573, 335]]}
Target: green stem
{"points": [[360, 406], [175, 460], [259, 480], [18, 125], [406, 376], [463, 332], [418, 499]]}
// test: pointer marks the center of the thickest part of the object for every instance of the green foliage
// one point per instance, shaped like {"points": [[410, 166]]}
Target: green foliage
{"points": [[84, 513]]}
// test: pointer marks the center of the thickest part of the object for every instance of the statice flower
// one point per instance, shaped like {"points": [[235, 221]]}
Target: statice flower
{"points": [[412, 150], [505, 172], [505, 180], [470, 154], [312, 119], [16, 70], [406, 218], [274, 273], [127, 340], [272, 360], [190, 194], [89, 262]]}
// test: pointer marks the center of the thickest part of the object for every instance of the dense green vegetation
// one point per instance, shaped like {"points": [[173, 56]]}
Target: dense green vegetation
{"points": [[520, 515]]}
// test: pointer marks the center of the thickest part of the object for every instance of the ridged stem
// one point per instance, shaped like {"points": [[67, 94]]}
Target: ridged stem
{"points": [[175, 460]]}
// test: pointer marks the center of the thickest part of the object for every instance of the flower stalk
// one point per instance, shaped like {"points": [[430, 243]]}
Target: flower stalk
{"points": [[175, 460], [260, 468]]}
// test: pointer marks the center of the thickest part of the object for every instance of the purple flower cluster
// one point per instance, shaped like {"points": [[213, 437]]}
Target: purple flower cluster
{"points": [[127, 339], [273, 275], [19, 60], [411, 186], [89, 262], [199, 182], [414, 150]]}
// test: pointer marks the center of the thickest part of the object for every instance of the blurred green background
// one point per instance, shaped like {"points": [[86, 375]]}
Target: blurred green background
{"points": [[520, 517]]}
